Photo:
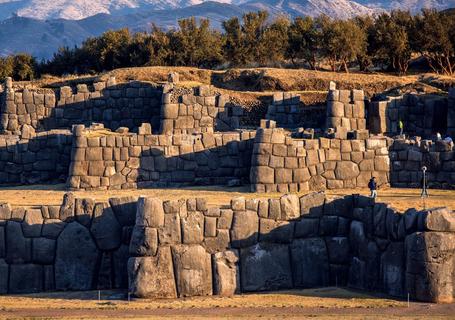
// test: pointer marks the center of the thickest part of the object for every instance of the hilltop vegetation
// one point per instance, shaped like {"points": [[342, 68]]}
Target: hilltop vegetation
{"points": [[387, 42]]}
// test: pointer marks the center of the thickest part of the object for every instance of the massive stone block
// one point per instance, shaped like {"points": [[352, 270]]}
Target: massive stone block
{"points": [[430, 261], [193, 271], [75, 261], [245, 229], [105, 228], [152, 277], [124, 209], [226, 273], [18, 248], [393, 269], [310, 263], [193, 228], [150, 212], [144, 241], [265, 267], [25, 278]]}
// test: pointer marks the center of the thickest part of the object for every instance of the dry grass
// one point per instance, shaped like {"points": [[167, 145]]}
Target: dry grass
{"points": [[37, 195], [324, 303]]}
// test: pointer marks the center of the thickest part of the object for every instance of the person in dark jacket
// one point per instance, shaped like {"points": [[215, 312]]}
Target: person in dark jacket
{"points": [[373, 187]]}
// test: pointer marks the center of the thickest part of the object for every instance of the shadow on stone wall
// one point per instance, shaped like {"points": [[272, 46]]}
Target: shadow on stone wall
{"points": [[121, 105], [183, 248], [40, 158], [115, 105]]}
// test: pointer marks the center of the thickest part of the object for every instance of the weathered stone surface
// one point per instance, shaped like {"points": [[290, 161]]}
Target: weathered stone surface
{"points": [[25, 278], [346, 170], [312, 204], [306, 228], [290, 208], [338, 250], [170, 233], [310, 263], [275, 231], [265, 267], [32, 224], [68, 206], [245, 229], [441, 219], [393, 269], [429, 266], [150, 212], [144, 241], [193, 271], [120, 264], [18, 248], [4, 275], [75, 261], [43, 250], [193, 228], [84, 211], [159, 268], [52, 228], [226, 273], [5, 211], [105, 228]]}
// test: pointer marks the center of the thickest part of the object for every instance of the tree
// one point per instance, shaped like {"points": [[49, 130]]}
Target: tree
{"points": [[24, 67], [342, 42], [391, 39], [6, 67], [304, 39], [276, 40], [434, 34], [364, 58], [195, 45]]}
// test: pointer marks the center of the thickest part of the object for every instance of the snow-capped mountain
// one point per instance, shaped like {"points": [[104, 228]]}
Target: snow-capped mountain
{"points": [[80, 9], [412, 5]]}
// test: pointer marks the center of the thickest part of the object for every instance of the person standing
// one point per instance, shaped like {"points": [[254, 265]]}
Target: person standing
{"points": [[401, 126], [373, 188]]}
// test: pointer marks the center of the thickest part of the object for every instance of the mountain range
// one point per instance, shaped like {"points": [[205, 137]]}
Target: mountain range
{"points": [[40, 27]]}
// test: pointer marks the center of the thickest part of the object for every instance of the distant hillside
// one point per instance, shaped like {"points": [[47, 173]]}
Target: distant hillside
{"points": [[42, 38]]}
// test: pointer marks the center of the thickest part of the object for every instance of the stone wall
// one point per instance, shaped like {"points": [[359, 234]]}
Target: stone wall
{"points": [[183, 249], [286, 164], [409, 156], [35, 158], [422, 115], [288, 111], [114, 105], [80, 245], [199, 112], [114, 161], [346, 109]]}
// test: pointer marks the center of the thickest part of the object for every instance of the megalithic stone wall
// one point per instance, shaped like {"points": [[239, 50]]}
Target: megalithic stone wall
{"points": [[418, 112], [182, 248], [346, 109], [288, 111], [114, 105], [409, 156], [203, 112], [107, 160], [286, 164], [35, 157], [79, 245]]}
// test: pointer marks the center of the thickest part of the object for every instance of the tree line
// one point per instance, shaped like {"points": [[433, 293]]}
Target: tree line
{"points": [[387, 41]]}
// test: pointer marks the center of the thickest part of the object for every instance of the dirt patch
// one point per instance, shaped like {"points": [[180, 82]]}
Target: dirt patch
{"points": [[37, 195], [321, 303]]}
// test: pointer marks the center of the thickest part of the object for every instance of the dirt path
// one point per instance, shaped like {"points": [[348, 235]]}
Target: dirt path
{"points": [[415, 311], [321, 303]]}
